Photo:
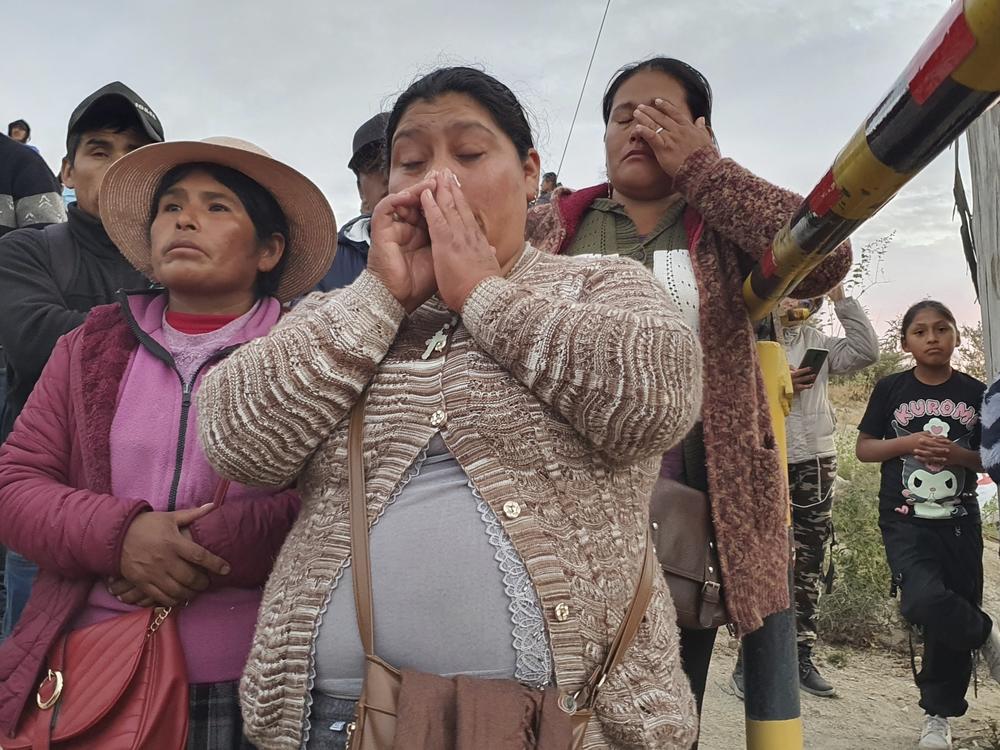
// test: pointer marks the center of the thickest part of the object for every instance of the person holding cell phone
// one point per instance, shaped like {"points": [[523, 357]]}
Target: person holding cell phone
{"points": [[812, 453]]}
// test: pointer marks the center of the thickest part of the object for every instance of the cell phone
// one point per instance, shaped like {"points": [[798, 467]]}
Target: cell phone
{"points": [[814, 359]]}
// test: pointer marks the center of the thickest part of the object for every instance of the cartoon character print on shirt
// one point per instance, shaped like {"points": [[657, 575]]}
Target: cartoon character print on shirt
{"points": [[933, 492]]}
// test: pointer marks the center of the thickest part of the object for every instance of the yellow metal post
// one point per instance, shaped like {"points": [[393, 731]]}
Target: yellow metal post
{"points": [[770, 658], [778, 381]]}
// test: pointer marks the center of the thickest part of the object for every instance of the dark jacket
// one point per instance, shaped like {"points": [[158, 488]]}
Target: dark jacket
{"points": [[56, 501], [731, 218], [29, 192], [351, 258], [49, 280]]}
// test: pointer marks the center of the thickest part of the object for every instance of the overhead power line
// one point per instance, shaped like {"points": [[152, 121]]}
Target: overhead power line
{"points": [[583, 88]]}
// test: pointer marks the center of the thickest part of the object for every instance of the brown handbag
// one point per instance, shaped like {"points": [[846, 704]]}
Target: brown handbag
{"points": [[681, 523], [120, 684], [374, 727]]}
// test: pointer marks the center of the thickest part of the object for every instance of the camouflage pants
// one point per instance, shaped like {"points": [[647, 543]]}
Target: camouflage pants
{"points": [[811, 488]]}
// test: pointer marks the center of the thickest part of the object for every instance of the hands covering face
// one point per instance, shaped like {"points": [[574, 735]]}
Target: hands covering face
{"points": [[669, 132], [426, 239]]}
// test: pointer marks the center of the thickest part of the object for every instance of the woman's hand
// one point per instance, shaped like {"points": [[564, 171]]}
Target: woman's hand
{"points": [[400, 254], [670, 133], [128, 593], [462, 256], [162, 563]]}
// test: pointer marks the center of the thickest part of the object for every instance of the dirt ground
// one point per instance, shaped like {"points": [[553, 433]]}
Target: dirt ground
{"points": [[876, 704]]}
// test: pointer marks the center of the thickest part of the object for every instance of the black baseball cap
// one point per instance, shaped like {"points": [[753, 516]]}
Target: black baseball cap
{"points": [[120, 95], [372, 131]]}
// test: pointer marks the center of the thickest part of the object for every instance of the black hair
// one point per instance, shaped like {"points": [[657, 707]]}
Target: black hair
{"points": [[260, 205], [697, 90], [927, 304], [486, 90], [370, 158], [549, 176], [108, 114], [23, 124]]}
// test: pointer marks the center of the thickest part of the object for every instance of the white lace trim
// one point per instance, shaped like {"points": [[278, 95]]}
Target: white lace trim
{"points": [[675, 271], [412, 472], [533, 660]]}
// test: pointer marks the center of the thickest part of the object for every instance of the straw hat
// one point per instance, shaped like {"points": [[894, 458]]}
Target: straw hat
{"points": [[128, 188]]}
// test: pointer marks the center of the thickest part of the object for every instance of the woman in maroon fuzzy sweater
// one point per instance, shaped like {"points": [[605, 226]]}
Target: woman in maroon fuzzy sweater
{"points": [[699, 222]]}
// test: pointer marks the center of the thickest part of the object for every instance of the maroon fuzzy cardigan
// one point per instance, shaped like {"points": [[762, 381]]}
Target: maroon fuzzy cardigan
{"points": [[732, 217], [55, 498]]}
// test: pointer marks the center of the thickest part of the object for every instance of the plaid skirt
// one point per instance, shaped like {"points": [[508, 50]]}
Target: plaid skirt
{"points": [[215, 722]]}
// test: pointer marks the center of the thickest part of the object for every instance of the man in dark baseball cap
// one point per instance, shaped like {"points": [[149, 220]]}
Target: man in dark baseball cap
{"points": [[370, 164], [50, 278], [119, 98], [104, 127]]}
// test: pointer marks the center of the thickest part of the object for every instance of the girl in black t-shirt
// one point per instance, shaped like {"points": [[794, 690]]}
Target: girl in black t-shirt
{"points": [[923, 426]]}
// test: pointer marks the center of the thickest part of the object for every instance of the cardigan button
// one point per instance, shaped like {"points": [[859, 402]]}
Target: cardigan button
{"points": [[562, 611], [512, 509], [567, 703], [437, 418]]}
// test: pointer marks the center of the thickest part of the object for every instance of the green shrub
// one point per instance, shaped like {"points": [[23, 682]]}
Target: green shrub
{"points": [[858, 387]]}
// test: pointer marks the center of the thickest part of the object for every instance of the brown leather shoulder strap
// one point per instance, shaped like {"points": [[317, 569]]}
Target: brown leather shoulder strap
{"points": [[361, 567], [586, 696]]}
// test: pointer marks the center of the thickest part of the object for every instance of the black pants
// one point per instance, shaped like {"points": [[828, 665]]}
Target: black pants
{"points": [[938, 567], [696, 657]]}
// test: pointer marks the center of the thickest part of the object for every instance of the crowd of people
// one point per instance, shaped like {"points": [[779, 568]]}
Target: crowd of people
{"points": [[212, 394]]}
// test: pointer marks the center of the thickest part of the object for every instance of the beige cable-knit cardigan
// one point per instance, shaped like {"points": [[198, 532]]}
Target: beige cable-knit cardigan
{"points": [[562, 387]]}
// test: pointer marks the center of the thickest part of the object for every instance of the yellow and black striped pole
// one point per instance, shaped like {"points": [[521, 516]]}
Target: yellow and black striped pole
{"points": [[770, 656], [953, 79]]}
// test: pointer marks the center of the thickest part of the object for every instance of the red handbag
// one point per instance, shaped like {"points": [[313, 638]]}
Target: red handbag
{"points": [[118, 685]]}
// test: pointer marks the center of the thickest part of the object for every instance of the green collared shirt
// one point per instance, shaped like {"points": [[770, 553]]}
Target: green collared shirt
{"points": [[607, 230]]}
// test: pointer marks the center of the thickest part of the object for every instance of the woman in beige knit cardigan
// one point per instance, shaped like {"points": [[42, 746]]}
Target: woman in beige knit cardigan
{"points": [[518, 406], [699, 222]]}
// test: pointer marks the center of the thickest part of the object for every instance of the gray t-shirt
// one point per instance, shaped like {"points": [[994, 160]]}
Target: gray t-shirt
{"points": [[451, 594]]}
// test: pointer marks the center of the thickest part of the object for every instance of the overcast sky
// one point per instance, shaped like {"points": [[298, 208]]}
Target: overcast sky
{"points": [[792, 78]]}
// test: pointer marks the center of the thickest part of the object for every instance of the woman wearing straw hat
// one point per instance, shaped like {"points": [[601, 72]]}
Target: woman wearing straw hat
{"points": [[103, 482]]}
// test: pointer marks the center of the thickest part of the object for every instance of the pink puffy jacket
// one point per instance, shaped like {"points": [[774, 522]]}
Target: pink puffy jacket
{"points": [[56, 507]]}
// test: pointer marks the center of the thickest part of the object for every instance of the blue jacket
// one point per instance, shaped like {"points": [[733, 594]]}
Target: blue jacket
{"points": [[352, 255]]}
